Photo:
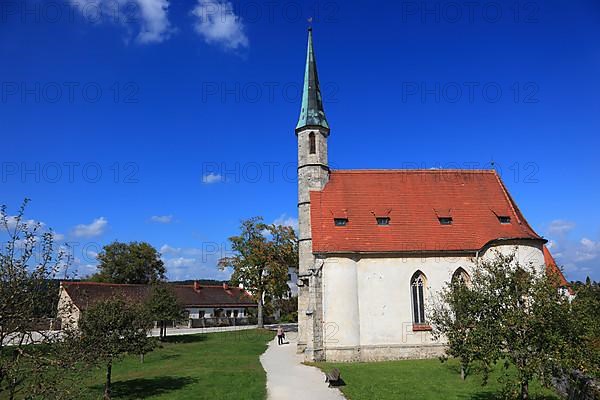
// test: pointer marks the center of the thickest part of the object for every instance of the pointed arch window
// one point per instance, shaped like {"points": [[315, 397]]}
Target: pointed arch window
{"points": [[417, 290], [461, 277], [312, 143]]}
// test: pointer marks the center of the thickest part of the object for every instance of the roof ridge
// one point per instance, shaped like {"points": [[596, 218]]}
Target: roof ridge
{"points": [[513, 205], [90, 283], [432, 170]]}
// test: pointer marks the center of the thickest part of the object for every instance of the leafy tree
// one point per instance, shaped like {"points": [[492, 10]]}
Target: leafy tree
{"points": [[454, 319], [262, 256], [135, 262], [110, 329], [510, 313], [28, 259], [288, 308], [163, 306], [585, 307]]}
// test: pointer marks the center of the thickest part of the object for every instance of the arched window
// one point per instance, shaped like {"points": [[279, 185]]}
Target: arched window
{"points": [[312, 144], [417, 290], [461, 277]]}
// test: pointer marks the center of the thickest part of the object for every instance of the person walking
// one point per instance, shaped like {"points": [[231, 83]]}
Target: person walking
{"points": [[280, 335]]}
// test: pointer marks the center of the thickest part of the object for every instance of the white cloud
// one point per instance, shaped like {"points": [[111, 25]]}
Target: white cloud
{"points": [[150, 16], [587, 250], [11, 221], [96, 228], [57, 237], [212, 178], [80, 269], [166, 249], [286, 220], [180, 262], [218, 24], [580, 258], [560, 227], [155, 23], [162, 219], [194, 262]]}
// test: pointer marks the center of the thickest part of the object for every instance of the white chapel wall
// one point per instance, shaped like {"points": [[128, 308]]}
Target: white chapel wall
{"points": [[367, 309]]}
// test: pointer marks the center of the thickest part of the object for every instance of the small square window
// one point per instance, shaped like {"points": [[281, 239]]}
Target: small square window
{"points": [[340, 221], [504, 219], [445, 220], [383, 220]]}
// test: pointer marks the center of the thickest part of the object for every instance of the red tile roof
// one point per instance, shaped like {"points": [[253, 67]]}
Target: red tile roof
{"points": [[552, 269], [474, 199], [85, 294]]}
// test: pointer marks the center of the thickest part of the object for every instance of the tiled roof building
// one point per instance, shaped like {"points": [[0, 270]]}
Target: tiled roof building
{"points": [[376, 245], [76, 297]]}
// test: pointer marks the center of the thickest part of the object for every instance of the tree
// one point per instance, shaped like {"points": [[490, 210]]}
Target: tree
{"points": [[585, 308], [454, 320], [262, 255], [163, 306], [512, 313], [110, 329], [28, 260], [135, 262]]}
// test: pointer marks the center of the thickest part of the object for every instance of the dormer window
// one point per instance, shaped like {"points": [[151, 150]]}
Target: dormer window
{"points": [[445, 220], [383, 220], [340, 221], [504, 219]]}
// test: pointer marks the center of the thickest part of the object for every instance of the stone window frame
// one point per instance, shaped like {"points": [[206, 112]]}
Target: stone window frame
{"points": [[418, 299]]}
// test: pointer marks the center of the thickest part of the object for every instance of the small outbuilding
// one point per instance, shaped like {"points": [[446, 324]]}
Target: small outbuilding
{"points": [[203, 305]]}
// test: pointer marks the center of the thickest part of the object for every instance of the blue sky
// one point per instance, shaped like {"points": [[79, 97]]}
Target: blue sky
{"points": [[169, 122]]}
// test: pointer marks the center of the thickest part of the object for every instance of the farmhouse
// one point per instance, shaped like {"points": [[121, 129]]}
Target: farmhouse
{"points": [[376, 245], [203, 305]]}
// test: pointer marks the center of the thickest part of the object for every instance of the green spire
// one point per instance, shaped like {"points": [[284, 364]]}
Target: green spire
{"points": [[312, 113]]}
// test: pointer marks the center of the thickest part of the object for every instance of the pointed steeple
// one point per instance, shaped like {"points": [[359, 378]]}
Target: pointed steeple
{"points": [[312, 112]]}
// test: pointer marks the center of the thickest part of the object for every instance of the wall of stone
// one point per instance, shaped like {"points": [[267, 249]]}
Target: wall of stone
{"points": [[313, 174]]}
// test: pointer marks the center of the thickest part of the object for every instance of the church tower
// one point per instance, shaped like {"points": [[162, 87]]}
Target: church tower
{"points": [[312, 132]]}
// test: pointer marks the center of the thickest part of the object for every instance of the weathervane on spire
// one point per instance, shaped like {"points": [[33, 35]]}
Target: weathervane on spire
{"points": [[310, 20]]}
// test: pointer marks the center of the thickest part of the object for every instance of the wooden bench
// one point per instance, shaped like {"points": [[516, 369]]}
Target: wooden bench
{"points": [[333, 377]]}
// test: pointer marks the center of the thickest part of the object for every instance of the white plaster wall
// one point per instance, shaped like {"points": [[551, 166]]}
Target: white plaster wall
{"points": [[209, 312], [68, 313], [385, 295], [369, 300], [341, 319], [528, 253]]}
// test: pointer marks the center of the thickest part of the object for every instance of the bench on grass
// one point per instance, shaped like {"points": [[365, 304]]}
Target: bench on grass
{"points": [[333, 377]]}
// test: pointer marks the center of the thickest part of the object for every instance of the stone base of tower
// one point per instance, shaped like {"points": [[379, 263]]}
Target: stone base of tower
{"points": [[302, 318], [310, 316]]}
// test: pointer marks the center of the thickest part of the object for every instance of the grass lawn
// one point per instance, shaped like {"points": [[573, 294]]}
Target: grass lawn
{"points": [[213, 366], [420, 379]]}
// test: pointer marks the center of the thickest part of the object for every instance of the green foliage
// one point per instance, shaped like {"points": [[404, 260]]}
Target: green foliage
{"points": [[263, 254], [288, 308], [163, 306], [513, 314], [585, 306], [28, 261], [135, 262], [110, 329]]}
